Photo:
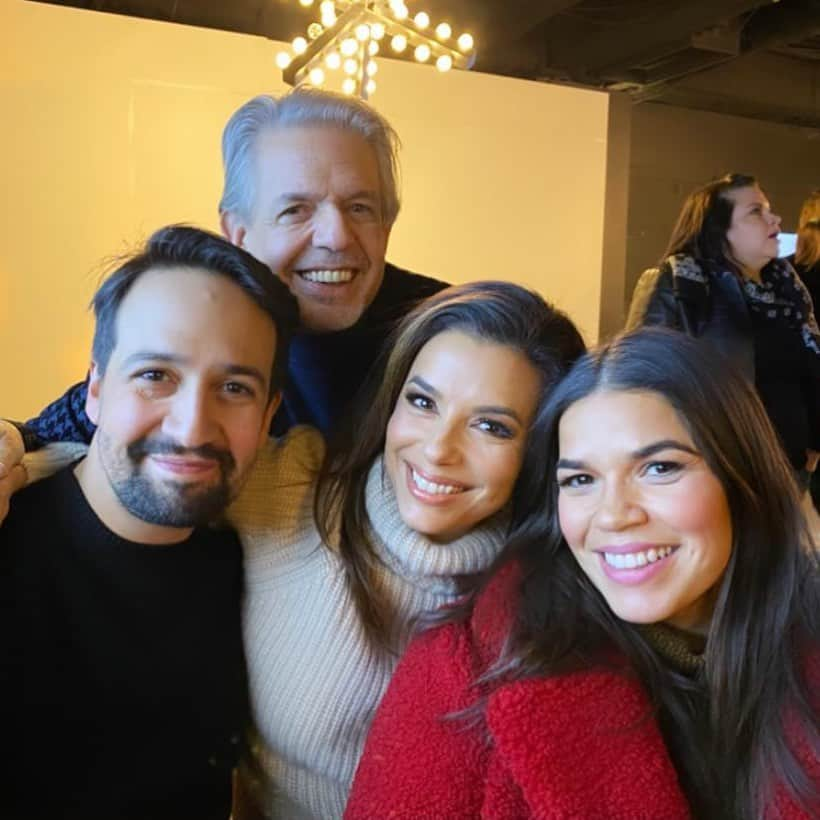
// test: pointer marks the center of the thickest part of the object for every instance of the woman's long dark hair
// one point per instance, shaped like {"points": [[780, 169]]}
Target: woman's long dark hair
{"points": [[725, 729], [498, 312], [704, 220]]}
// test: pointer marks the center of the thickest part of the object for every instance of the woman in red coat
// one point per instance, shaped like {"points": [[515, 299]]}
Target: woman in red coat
{"points": [[650, 650]]}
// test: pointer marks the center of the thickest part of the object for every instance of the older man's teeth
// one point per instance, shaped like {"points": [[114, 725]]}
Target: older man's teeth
{"points": [[328, 277], [631, 560], [430, 487]]}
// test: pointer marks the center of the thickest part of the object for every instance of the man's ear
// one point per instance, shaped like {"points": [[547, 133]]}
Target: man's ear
{"points": [[233, 228], [92, 399], [273, 406]]}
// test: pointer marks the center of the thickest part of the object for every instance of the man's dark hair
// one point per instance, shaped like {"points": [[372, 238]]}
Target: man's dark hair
{"points": [[185, 246]]}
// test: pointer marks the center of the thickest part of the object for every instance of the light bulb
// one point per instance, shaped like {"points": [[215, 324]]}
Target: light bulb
{"points": [[283, 60], [351, 66], [327, 6], [465, 42], [443, 31], [372, 68], [400, 11], [314, 30], [349, 47], [348, 85], [299, 45], [333, 60], [362, 32], [317, 76], [422, 53], [377, 31], [444, 63], [398, 43], [328, 18], [422, 19], [371, 86], [372, 48], [306, 3]]}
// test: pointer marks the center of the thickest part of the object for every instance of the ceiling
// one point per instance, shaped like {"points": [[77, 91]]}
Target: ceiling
{"points": [[753, 58]]}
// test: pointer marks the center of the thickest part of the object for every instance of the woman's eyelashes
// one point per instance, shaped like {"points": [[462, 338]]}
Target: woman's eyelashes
{"points": [[493, 427], [419, 400]]}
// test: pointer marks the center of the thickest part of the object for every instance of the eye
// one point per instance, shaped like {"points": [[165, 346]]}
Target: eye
{"points": [[420, 401], [662, 469], [293, 212], [576, 481], [238, 389], [494, 428], [151, 375]]}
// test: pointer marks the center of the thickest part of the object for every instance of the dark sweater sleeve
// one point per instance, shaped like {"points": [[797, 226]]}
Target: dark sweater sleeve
{"points": [[63, 420]]}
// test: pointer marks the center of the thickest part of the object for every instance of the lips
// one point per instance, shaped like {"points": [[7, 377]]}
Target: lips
{"points": [[185, 467], [432, 489], [328, 276]]}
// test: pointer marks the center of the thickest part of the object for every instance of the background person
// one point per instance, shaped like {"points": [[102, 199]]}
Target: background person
{"points": [[124, 691], [721, 281], [652, 648]]}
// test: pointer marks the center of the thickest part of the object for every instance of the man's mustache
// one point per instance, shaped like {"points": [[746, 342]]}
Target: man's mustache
{"points": [[143, 447]]}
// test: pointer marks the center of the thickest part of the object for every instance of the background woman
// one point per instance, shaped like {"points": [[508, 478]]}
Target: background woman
{"points": [[658, 631], [806, 259], [415, 506], [720, 280]]}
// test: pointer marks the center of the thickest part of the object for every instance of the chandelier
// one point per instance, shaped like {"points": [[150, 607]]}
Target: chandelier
{"points": [[352, 32]]}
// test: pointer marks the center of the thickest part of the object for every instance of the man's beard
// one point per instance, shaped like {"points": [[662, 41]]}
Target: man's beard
{"points": [[166, 502]]}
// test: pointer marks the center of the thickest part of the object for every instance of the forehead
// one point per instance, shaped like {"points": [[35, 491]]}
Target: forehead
{"points": [[744, 197], [619, 422], [467, 367], [314, 158], [193, 313]]}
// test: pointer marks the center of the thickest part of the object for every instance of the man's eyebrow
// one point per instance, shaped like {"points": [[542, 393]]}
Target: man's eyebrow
{"points": [[151, 356], [635, 455]]}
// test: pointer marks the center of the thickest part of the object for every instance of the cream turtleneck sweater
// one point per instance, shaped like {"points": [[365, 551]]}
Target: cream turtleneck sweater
{"points": [[315, 679]]}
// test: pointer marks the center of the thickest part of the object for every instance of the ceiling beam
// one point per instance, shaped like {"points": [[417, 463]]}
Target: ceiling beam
{"points": [[630, 45], [508, 22], [782, 24]]}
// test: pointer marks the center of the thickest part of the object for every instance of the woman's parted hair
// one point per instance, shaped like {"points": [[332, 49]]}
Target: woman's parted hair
{"points": [[767, 613], [492, 311], [705, 218]]}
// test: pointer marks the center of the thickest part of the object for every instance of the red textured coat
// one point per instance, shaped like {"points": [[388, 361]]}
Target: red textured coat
{"points": [[579, 746]]}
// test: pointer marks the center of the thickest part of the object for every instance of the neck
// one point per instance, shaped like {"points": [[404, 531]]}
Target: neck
{"points": [[107, 507], [751, 272]]}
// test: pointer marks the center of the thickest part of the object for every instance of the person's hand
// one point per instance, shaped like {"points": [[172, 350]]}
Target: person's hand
{"points": [[12, 471]]}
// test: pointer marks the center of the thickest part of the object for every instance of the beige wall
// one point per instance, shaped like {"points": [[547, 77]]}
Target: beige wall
{"points": [[112, 127], [675, 150]]}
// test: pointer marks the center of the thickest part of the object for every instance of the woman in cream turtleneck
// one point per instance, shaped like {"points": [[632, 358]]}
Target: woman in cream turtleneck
{"points": [[653, 648], [403, 518]]}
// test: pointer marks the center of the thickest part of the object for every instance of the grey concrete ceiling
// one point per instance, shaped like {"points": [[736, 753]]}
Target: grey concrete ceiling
{"points": [[753, 58]]}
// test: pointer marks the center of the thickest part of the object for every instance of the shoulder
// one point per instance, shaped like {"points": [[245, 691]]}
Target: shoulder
{"points": [[406, 285], [585, 741], [279, 489]]}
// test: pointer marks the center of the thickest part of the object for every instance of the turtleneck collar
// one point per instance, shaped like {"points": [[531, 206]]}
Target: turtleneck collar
{"points": [[414, 556]]}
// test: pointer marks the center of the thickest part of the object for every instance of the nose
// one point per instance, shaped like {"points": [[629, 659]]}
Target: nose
{"points": [[330, 228], [774, 219], [618, 509], [442, 445], [191, 419]]}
